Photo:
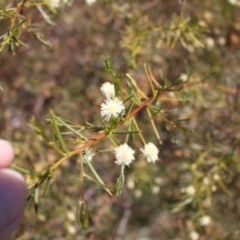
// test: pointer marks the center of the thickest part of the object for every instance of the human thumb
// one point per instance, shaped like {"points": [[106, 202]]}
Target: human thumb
{"points": [[13, 194]]}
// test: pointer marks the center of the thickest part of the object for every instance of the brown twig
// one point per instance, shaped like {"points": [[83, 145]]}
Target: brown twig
{"points": [[18, 10], [100, 136]]}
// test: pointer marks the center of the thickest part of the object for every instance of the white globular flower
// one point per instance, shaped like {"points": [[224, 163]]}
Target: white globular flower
{"points": [[56, 3], [108, 90], [112, 107], [206, 180], [194, 235], [233, 2], [89, 154], [124, 154], [90, 2], [205, 220], [190, 190], [150, 152]]}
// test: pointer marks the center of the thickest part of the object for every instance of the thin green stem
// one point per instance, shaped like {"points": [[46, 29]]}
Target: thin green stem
{"points": [[154, 126], [140, 133]]}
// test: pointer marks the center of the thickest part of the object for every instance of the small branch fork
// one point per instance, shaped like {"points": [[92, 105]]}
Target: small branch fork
{"points": [[18, 10], [101, 135]]}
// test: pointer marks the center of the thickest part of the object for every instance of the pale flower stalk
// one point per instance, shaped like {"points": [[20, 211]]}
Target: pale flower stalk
{"points": [[108, 90], [150, 152], [112, 108], [124, 154]]}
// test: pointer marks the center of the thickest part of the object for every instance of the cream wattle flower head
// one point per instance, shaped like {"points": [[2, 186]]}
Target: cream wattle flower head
{"points": [[89, 154], [56, 3], [108, 90], [124, 154], [90, 2], [150, 152], [112, 107]]}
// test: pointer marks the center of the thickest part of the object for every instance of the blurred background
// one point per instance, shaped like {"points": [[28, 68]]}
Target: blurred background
{"points": [[193, 192]]}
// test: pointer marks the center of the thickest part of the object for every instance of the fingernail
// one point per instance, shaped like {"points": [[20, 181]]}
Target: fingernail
{"points": [[7, 153], [13, 174], [13, 194]]}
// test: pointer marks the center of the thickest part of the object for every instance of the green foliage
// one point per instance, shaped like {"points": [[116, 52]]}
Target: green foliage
{"points": [[17, 22]]}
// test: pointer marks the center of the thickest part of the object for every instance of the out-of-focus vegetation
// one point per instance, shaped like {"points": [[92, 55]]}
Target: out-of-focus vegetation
{"points": [[193, 192]]}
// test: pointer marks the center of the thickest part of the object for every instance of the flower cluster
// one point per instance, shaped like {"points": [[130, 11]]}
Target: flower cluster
{"points": [[112, 106], [125, 154]]}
